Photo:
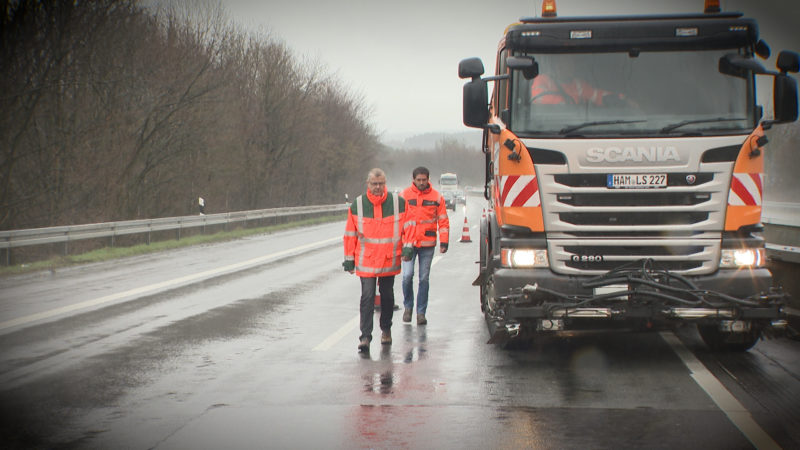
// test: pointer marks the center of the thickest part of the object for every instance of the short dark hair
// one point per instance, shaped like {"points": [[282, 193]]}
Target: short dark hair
{"points": [[420, 170]]}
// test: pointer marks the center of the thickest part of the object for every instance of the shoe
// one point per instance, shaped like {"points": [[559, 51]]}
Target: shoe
{"points": [[386, 338], [407, 315], [421, 320], [363, 345]]}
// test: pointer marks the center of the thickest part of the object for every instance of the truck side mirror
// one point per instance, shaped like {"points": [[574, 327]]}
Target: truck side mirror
{"points": [[784, 97], [470, 68], [788, 62], [528, 66], [476, 104], [739, 66], [762, 49]]}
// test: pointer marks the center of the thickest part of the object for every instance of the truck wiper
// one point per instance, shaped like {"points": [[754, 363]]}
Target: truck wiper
{"points": [[674, 126], [571, 128]]}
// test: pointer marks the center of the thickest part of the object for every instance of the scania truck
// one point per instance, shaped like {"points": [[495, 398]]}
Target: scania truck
{"points": [[624, 175]]}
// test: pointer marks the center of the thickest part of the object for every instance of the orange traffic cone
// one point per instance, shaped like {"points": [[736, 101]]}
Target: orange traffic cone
{"points": [[378, 303], [465, 232]]}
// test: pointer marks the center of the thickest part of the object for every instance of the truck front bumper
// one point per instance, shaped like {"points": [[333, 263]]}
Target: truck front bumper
{"points": [[521, 294]]}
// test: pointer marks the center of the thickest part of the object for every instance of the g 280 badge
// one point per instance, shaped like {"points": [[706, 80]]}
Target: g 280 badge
{"points": [[587, 258]]}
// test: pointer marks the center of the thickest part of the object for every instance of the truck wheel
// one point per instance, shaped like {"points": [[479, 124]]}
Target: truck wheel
{"points": [[484, 297], [726, 341]]}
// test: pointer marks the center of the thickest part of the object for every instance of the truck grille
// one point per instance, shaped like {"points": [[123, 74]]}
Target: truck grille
{"points": [[633, 218], [592, 228], [672, 266]]}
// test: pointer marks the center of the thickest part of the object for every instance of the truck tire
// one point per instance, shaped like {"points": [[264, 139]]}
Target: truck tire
{"points": [[726, 341]]}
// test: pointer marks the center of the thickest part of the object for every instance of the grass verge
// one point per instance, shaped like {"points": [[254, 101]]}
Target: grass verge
{"points": [[109, 253]]}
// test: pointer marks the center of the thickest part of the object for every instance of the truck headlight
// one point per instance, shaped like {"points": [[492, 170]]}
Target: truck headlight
{"points": [[523, 257], [743, 257]]}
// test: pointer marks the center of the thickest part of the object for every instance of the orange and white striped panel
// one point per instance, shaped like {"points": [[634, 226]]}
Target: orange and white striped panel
{"points": [[746, 189], [519, 190]]}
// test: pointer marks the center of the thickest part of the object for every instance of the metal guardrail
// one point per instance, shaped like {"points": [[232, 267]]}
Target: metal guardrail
{"points": [[782, 230], [781, 213], [63, 234]]}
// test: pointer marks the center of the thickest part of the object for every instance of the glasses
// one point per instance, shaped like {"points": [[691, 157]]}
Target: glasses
{"points": [[377, 183]]}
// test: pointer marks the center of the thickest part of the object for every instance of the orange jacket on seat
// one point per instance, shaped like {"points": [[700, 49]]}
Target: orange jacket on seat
{"points": [[545, 90], [429, 212], [376, 234]]}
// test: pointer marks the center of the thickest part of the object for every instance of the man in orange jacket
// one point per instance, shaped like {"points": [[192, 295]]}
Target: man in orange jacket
{"points": [[428, 210], [378, 234]]}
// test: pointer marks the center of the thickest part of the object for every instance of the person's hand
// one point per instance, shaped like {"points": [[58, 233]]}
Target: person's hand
{"points": [[408, 253], [443, 247], [349, 266]]}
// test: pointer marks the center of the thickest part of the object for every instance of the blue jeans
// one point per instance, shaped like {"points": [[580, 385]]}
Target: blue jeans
{"points": [[425, 255]]}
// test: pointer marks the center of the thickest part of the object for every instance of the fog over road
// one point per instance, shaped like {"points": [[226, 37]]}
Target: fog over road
{"points": [[252, 344]]}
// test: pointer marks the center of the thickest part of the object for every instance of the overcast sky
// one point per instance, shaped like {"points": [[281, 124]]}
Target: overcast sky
{"points": [[402, 56]]}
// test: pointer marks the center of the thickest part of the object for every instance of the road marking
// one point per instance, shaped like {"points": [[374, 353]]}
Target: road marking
{"points": [[331, 340], [735, 411], [24, 320], [349, 327]]}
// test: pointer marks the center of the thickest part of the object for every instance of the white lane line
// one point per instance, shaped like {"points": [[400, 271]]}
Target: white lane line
{"points": [[735, 411], [348, 327], [24, 320], [331, 340]]}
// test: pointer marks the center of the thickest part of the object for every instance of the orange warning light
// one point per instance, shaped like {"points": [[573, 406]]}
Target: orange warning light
{"points": [[712, 6], [548, 8]]}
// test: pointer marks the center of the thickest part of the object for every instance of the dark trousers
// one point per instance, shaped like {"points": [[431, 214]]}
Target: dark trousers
{"points": [[386, 289]]}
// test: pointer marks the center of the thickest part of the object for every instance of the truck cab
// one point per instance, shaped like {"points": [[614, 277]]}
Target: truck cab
{"points": [[624, 174]]}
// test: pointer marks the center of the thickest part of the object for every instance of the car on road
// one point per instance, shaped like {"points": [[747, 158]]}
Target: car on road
{"points": [[461, 197], [449, 199]]}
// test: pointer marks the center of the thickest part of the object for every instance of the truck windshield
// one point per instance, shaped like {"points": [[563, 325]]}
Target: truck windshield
{"points": [[655, 93]]}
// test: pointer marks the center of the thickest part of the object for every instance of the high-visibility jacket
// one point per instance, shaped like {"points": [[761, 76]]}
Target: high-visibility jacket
{"points": [[376, 232], [429, 212], [547, 91]]}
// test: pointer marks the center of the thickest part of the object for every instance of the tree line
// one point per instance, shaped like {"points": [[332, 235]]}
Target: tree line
{"points": [[112, 111]]}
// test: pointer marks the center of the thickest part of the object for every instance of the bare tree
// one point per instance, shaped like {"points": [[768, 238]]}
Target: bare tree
{"points": [[111, 111]]}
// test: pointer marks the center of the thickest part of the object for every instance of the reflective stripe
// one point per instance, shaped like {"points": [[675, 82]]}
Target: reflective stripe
{"points": [[350, 233], [349, 258], [746, 189], [378, 270], [360, 215], [519, 190], [390, 240], [396, 231]]}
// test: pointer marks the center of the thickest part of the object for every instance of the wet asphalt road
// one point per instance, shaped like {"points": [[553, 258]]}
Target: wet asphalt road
{"points": [[252, 344]]}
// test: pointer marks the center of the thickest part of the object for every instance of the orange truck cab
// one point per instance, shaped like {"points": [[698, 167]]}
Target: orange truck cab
{"points": [[624, 175]]}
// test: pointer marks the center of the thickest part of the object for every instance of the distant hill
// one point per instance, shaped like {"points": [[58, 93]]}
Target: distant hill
{"points": [[427, 141]]}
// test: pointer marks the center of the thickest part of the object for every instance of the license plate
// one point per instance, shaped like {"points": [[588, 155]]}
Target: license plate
{"points": [[636, 180]]}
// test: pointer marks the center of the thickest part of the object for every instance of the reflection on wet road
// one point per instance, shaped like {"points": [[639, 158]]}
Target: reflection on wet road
{"points": [[265, 357]]}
